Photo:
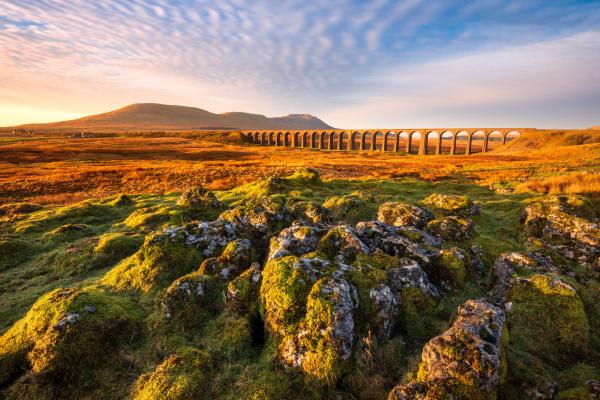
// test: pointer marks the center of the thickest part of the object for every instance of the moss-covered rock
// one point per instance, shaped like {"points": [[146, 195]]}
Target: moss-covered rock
{"points": [[121, 200], [464, 362], [151, 217], [185, 375], [198, 198], [190, 300], [67, 332], [113, 247], [449, 268], [17, 209], [243, 293], [285, 285], [342, 244], [295, 240], [403, 214], [238, 255], [547, 318], [325, 337], [452, 228], [310, 212], [559, 221], [448, 204], [155, 265], [304, 175], [350, 208]]}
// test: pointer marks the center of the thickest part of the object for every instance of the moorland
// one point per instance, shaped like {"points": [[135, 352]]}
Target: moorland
{"points": [[184, 265]]}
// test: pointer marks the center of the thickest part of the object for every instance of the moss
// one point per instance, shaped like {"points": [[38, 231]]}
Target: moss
{"points": [[449, 267], [88, 213], [37, 340], [185, 375], [113, 247], [121, 200], [449, 204], [229, 336], [155, 265], [17, 209], [547, 319], [351, 208], [283, 294], [13, 252], [303, 176], [67, 232], [152, 217], [189, 302]]}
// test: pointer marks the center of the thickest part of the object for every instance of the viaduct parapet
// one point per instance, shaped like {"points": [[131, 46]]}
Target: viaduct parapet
{"points": [[460, 140]]}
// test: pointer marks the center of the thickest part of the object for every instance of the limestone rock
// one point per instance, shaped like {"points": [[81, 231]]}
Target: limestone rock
{"points": [[463, 362], [452, 228], [386, 308], [325, 336], [452, 205], [402, 214], [556, 221], [411, 276], [237, 256], [198, 198], [242, 295], [342, 244], [295, 240]]}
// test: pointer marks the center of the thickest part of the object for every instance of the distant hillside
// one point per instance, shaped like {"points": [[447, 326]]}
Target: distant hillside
{"points": [[553, 138], [146, 116]]}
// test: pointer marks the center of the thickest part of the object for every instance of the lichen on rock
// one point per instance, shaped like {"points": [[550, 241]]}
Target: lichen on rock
{"points": [[452, 228], [403, 214], [448, 204], [464, 362]]}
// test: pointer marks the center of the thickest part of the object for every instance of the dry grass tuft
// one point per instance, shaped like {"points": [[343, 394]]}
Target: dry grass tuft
{"points": [[587, 183]]}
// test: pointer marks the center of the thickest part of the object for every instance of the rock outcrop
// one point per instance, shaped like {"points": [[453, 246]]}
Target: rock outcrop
{"points": [[466, 361]]}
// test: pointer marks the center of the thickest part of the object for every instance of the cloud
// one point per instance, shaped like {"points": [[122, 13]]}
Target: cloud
{"points": [[275, 57]]}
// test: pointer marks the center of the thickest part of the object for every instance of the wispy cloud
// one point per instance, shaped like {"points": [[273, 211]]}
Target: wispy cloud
{"points": [[277, 57]]}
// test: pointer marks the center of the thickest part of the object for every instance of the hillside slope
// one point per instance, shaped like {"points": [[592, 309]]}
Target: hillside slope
{"points": [[160, 116], [552, 138]]}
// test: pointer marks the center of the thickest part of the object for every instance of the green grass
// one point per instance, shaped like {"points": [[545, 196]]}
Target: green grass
{"points": [[100, 242]]}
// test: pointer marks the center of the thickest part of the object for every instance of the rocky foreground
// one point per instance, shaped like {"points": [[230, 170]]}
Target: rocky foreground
{"points": [[292, 299]]}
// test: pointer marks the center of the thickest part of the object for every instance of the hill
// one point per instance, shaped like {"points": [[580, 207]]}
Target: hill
{"points": [[547, 139], [145, 116]]}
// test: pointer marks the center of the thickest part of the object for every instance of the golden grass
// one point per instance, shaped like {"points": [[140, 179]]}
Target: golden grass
{"points": [[63, 170], [578, 183]]}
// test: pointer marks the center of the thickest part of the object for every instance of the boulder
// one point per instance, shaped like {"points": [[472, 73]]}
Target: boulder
{"points": [[561, 224], [452, 228], [385, 305], [349, 208], [198, 198], [547, 318], [505, 267], [452, 205], [190, 300], [324, 339], [393, 241], [449, 268], [464, 362], [295, 240], [342, 244], [209, 237], [242, 295], [403, 214], [236, 257], [310, 212], [411, 276]]}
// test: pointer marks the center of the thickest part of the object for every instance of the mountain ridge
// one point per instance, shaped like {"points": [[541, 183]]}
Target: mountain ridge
{"points": [[144, 116]]}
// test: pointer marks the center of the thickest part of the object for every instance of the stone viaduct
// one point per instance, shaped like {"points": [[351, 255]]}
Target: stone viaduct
{"points": [[386, 140]]}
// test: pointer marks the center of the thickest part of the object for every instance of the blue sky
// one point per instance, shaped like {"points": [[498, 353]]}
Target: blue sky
{"points": [[353, 63]]}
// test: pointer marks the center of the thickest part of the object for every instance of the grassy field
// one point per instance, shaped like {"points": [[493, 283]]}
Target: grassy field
{"points": [[59, 170], [77, 213]]}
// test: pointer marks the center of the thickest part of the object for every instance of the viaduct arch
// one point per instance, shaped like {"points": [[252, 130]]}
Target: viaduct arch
{"points": [[455, 141]]}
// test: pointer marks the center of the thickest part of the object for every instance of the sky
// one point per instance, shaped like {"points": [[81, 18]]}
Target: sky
{"points": [[354, 64]]}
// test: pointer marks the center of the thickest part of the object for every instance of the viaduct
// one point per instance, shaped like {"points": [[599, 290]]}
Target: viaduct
{"points": [[386, 140]]}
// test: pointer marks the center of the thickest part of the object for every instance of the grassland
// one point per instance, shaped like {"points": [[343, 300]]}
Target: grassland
{"points": [[77, 213], [59, 170]]}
